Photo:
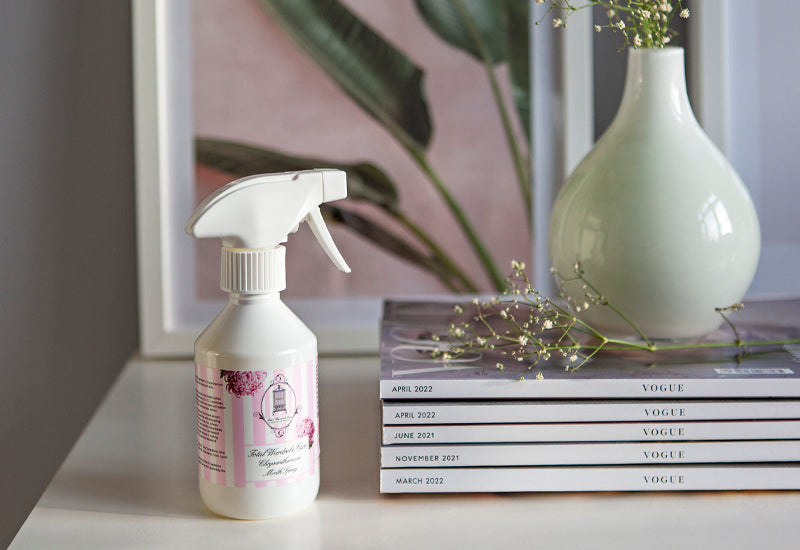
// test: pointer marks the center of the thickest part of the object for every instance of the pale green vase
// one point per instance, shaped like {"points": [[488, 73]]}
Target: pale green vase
{"points": [[660, 223]]}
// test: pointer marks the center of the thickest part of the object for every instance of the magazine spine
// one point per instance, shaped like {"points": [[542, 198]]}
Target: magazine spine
{"points": [[592, 478], [591, 389], [546, 454], [591, 431], [503, 412]]}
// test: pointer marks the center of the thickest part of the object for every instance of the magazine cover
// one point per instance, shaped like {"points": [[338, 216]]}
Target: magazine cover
{"points": [[416, 362]]}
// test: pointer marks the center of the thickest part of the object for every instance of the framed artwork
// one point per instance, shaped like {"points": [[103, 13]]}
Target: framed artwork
{"points": [[741, 93], [195, 60]]}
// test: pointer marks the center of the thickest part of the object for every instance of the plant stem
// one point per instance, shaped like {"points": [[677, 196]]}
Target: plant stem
{"points": [[733, 327], [477, 244], [613, 308], [519, 163], [447, 262], [737, 343]]}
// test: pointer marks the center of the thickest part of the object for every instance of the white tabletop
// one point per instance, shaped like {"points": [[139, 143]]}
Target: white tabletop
{"points": [[131, 482]]}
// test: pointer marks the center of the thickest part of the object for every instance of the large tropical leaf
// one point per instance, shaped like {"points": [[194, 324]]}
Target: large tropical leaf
{"points": [[455, 20], [387, 240], [365, 181], [369, 69]]}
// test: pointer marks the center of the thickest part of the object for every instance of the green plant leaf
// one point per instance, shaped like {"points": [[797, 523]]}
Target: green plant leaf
{"points": [[389, 241], [365, 181], [502, 27], [371, 71], [489, 18]]}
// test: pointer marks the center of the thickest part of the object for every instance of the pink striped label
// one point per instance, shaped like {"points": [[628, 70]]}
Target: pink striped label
{"points": [[257, 428]]}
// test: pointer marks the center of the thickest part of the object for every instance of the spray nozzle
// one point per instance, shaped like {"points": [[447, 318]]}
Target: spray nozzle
{"points": [[258, 212]]}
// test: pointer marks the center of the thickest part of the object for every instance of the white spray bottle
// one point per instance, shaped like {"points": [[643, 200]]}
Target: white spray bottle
{"points": [[256, 363]]}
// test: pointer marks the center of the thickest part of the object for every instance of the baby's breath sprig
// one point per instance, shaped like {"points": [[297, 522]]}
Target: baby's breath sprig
{"points": [[642, 23], [524, 327]]}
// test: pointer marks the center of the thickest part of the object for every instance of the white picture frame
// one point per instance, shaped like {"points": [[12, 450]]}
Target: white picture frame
{"points": [[170, 316], [562, 120]]}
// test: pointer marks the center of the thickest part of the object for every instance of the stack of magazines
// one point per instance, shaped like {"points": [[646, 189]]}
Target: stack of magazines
{"points": [[717, 418]]}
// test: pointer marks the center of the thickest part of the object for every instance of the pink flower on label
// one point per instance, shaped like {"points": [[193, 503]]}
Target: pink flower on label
{"points": [[306, 427], [243, 382]]}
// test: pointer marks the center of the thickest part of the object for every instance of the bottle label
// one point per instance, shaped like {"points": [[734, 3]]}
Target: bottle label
{"points": [[257, 428]]}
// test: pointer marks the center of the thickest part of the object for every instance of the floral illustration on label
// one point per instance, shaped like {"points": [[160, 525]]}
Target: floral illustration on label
{"points": [[306, 428], [279, 405], [243, 382]]}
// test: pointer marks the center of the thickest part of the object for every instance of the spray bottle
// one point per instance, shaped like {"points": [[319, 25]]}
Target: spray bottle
{"points": [[256, 363]]}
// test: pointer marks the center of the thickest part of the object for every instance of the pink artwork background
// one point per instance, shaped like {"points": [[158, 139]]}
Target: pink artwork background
{"points": [[252, 84]]}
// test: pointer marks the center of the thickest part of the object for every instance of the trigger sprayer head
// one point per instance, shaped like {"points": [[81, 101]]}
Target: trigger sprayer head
{"points": [[253, 215]]}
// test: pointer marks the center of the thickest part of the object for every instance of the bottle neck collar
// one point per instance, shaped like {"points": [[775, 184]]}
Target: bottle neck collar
{"points": [[253, 271]]}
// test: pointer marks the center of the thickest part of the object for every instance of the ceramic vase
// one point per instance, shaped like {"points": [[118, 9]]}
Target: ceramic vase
{"points": [[655, 216]]}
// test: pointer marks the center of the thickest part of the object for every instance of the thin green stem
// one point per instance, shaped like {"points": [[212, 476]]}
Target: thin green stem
{"points": [[616, 310], [519, 162], [477, 244], [737, 343], [447, 262], [721, 312], [622, 345]]}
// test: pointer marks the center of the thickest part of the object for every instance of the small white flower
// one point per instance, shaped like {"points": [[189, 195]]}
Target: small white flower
{"points": [[458, 309], [611, 13], [548, 324], [620, 26], [684, 13], [573, 358], [523, 340], [540, 376], [665, 40], [637, 42], [504, 314], [557, 23], [500, 366], [645, 14], [597, 28]]}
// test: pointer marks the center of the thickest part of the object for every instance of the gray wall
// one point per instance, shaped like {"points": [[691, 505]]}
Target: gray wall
{"points": [[67, 239]]}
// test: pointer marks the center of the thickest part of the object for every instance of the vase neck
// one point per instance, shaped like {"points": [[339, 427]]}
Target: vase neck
{"points": [[655, 86]]}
